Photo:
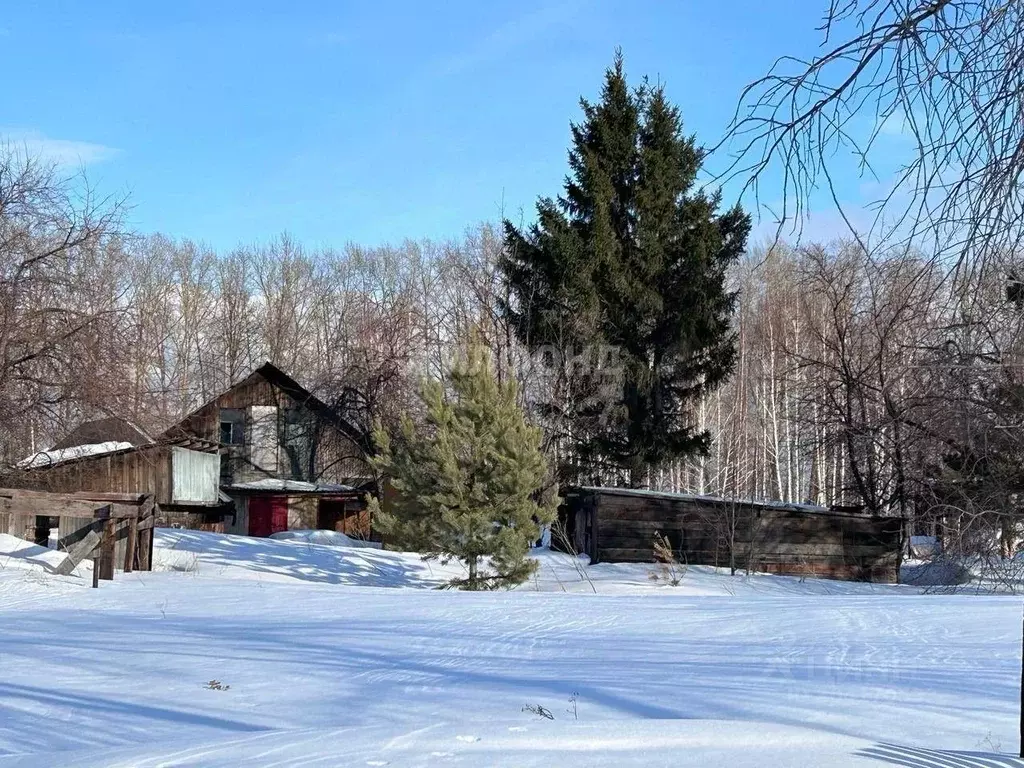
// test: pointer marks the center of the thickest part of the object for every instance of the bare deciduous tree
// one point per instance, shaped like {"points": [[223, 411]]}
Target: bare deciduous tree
{"points": [[59, 298], [948, 74]]}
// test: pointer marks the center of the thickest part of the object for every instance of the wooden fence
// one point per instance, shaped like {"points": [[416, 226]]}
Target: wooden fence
{"points": [[109, 528]]}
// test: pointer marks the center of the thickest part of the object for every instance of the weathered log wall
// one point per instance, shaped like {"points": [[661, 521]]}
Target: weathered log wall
{"points": [[619, 525]]}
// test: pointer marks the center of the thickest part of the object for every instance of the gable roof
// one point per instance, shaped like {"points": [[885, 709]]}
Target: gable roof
{"points": [[278, 378], [56, 456], [112, 429]]}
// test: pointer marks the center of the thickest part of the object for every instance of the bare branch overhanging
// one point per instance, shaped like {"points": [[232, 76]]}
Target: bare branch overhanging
{"points": [[946, 74]]}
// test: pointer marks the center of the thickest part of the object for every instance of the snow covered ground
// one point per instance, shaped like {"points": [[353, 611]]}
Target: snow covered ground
{"points": [[335, 656]]}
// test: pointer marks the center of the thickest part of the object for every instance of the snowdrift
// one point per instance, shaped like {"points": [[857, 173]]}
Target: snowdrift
{"points": [[21, 554], [326, 538]]}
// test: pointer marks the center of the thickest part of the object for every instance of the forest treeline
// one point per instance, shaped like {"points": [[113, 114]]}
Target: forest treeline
{"points": [[878, 379]]}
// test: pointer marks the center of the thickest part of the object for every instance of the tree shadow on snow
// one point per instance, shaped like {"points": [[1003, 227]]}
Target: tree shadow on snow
{"points": [[75, 720], [917, 757], [318, 563]]}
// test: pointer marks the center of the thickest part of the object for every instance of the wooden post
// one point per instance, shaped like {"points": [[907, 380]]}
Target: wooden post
{"points": [[154, 511], [144, 561], [107, 550], [129, 547], [96, 568], [144, 548]]}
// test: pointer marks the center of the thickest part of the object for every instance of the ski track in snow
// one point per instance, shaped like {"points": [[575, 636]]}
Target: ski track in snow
{"points": [[324, 669]]}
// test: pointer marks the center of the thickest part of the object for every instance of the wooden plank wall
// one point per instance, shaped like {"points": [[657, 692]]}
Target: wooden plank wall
{"points": [[146, 470], [621, 528], [205, 422]]}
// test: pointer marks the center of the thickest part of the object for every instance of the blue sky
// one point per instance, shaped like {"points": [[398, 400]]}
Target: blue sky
{"points": [[230, 122]]}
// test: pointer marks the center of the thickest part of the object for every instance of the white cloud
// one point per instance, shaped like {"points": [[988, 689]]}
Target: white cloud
{"points": [[63, 152]]}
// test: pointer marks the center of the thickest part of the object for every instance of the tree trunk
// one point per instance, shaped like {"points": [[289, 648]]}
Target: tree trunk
{"points": [[638, 477]]}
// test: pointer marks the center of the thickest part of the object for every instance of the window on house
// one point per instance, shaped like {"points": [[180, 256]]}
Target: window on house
{"points": [[232, 426], [297, 440]]}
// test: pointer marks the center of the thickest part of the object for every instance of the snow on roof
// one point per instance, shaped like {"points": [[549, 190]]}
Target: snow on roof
{"points": [[296, 486], [61, 455], [110, 428], [697, 498]]}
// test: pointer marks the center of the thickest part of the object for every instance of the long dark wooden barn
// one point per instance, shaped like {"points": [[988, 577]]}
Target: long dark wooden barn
{"points": [[618, 525]]}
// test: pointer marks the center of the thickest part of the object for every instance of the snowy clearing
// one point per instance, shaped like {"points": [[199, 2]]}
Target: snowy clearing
{"points": [[327, 655]]}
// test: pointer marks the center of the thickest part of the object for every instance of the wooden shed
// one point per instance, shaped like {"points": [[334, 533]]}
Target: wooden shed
{"points": [[619, 525], [181, 476]]}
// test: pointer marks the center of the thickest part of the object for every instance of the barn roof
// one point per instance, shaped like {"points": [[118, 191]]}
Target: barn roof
{"points": [[43, 460], [55, 456], [111, 429]]}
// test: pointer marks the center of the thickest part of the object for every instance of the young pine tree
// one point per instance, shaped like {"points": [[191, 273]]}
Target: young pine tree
{"points": [[632, 258], [468, 481]]}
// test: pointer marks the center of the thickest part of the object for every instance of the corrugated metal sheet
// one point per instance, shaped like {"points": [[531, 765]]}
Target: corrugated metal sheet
{"points": [[195, 476]]}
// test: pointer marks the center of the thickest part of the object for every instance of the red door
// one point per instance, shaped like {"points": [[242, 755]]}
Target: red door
{"points": [[267, 515]]}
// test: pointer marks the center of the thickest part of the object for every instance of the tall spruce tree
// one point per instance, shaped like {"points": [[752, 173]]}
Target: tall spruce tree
{"points": [[631, 257], [469, 482]]}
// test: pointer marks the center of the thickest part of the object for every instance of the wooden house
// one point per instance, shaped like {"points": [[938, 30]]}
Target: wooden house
{"points": [[287, 459], [619, 525]]}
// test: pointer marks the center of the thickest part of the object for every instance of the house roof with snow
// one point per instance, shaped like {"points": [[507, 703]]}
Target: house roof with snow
{"points": [[112, 429], [711, 500], [276, 485], [57, 456]]}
